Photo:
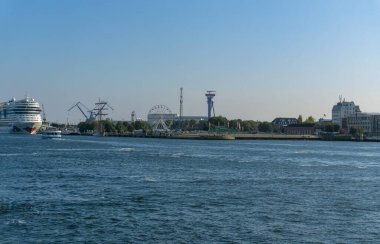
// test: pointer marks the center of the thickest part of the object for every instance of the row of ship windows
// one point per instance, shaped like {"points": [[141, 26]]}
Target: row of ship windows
{"points": [[19, 115]]}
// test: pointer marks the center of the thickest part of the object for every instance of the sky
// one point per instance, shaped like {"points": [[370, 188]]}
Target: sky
{"points": [[264, 58]]}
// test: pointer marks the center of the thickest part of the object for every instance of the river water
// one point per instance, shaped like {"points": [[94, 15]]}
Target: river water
{"points": [[118, 190]]}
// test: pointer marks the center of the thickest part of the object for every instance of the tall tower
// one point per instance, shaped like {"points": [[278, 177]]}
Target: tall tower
{"points": [[43, 114], [181, 106], [133, 116], [210, 103]]}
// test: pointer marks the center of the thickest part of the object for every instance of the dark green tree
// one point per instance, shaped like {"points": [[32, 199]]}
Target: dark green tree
{"points": [[141, 125], [235, 124], [309, 120], [331, 127], [120, 128], [356, 131], [130, 128], [108, 126], [219, 121], [265, 127], [87, 126], [299, 119], [249, 125]]}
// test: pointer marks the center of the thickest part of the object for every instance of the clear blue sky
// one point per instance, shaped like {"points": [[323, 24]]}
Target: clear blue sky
{"points": [[264, 58]]}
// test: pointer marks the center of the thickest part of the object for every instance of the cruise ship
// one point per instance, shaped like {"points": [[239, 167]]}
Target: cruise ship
{"points": [[20, 116]]}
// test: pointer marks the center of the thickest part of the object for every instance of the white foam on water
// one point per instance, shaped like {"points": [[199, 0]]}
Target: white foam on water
{"points": [[177, 155], [125, 149], [149, 179], [315, 165], [78, 149], [9, 154], [16, 222]]}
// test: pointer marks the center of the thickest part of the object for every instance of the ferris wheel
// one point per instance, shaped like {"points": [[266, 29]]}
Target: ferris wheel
{"points": [[160, 117]]}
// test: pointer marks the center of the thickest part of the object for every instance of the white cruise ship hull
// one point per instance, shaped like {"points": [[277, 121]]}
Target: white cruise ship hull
{"points": [[26, 127], [20, 128], [20, 116]]}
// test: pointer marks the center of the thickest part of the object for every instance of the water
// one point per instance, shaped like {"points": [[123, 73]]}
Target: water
{"points": [[117, 190]]}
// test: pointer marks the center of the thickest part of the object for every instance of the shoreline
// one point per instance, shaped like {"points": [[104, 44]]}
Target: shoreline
{"points": [[226, 136], [205, 136]]}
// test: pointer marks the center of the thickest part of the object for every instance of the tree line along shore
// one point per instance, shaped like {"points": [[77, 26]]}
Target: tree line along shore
{"points": [[219, 128]]}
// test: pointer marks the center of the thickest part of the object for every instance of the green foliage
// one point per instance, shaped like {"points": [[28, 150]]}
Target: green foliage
{"points": [[202, 125], [299, 119], [353, 131], [87, 126], [218, 121], [120, 127], [108, 126], [235, 124], [130, 128], [331, 127], [309, 120], [265, 127], [249, 125], [356, 131], [141, 125]]}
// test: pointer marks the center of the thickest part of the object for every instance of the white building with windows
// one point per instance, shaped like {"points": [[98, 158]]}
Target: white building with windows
{"points": [[342, 110], [368, 122]]}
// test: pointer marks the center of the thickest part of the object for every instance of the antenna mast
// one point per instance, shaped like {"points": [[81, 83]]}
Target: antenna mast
{"points": [[181, 106], [43, 113]]}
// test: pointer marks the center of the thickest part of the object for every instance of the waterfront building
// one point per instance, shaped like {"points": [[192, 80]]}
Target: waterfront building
{"points": [[300, 129], [152, 118], [173, 117], [280, 122], [195, 118], [342, 110], [368, 122]]}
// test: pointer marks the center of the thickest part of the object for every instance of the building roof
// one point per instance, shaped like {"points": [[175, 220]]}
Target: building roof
{"points": [[302, 125]]}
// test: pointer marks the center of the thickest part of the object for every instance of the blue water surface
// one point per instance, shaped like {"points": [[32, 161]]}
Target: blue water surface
{"points": [[118, 190]]}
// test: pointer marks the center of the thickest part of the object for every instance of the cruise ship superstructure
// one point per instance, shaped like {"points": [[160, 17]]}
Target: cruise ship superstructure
{"points": [[20, 116]]}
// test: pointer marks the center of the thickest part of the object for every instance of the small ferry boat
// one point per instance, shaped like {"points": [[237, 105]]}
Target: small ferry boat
{"points": [[52, 134]]}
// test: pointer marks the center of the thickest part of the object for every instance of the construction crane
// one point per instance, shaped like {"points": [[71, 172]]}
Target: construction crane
{"points": [[79, 105]]}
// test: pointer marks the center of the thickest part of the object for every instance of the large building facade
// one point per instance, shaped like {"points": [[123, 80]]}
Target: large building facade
{"points": [[152, 118], [300, 129], [284, 121], [342, 110], [368, 122]]}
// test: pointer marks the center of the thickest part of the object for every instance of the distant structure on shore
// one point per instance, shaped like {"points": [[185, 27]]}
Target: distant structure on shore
{"points": [[181, 105], [342, 110], [89, 114], [159, 113], [133, 116], [210, 103]]}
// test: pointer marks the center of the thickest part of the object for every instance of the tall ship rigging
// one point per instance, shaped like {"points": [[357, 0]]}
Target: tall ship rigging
{"points": [[20, 116]]}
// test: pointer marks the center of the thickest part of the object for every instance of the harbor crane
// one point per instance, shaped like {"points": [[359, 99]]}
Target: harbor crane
{"points": [[91, 113]]}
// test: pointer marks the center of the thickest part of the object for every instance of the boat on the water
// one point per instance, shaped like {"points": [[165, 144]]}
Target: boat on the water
{"points": [[20, 116], [52, 134]]}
